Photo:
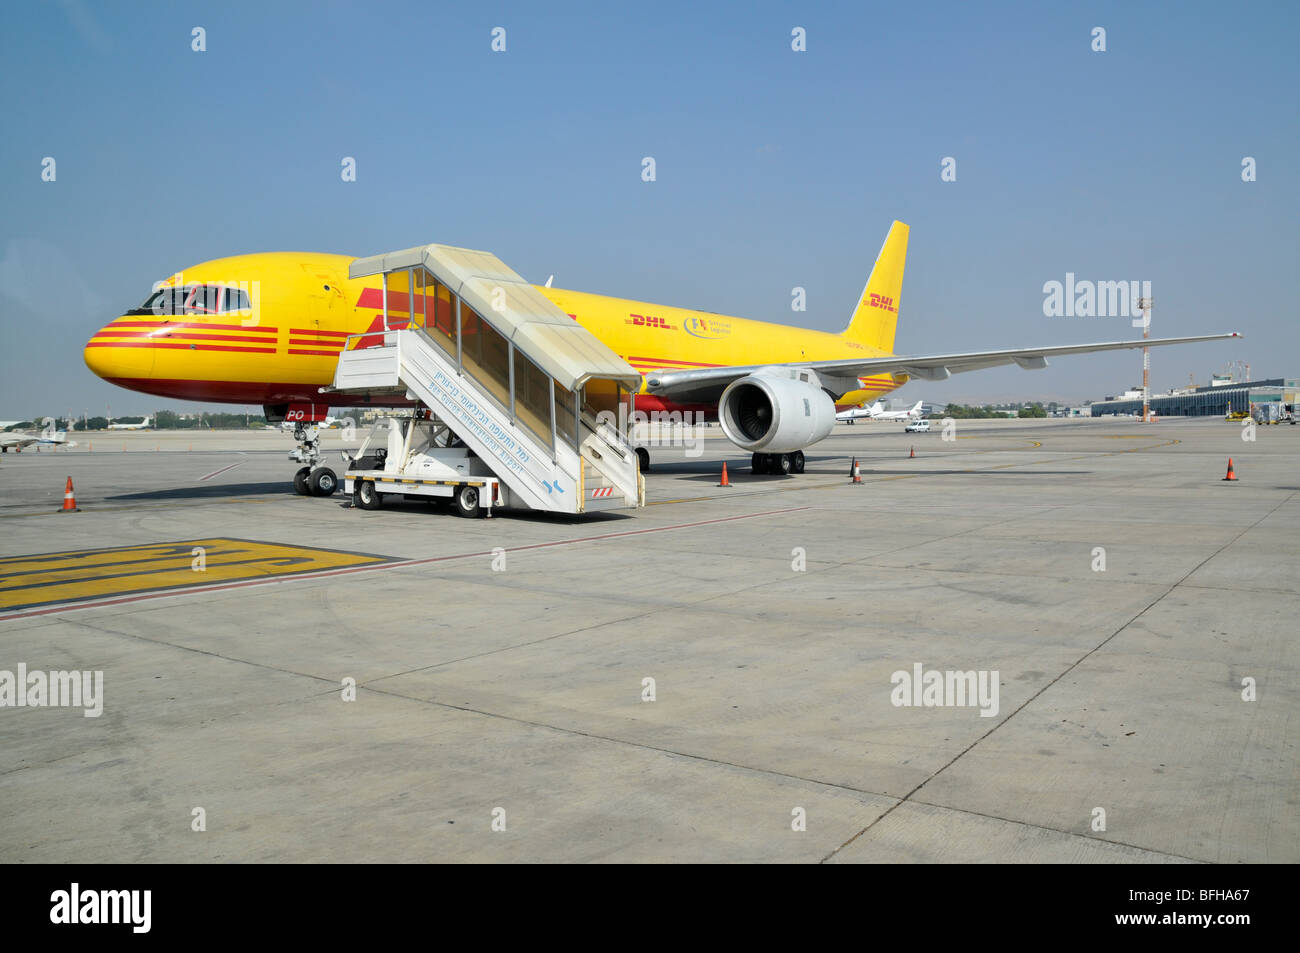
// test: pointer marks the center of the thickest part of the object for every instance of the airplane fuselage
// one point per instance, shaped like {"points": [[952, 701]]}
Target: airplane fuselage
{"points": [[302, 307]]}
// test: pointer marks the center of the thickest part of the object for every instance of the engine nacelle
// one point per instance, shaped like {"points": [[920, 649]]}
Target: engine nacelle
{"points": [[776, 411]]}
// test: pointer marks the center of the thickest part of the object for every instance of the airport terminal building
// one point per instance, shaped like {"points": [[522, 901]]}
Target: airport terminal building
{"points": [[1216, 400]]}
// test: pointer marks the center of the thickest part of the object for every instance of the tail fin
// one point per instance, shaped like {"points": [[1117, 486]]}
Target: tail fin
{"points": [[876, 317]]}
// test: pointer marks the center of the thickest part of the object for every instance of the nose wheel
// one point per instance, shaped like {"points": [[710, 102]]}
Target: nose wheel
{"points": [[323, 481], [318, 481]]}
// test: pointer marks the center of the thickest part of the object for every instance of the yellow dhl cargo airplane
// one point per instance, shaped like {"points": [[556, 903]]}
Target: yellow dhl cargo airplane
{"points": [[268, 328]]}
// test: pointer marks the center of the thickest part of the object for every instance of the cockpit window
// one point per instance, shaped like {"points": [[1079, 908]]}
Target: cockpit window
{"points": [[195, 299], [237, 300]]}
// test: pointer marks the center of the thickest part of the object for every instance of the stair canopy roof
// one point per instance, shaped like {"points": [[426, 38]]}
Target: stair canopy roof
{"points": [[547, 336]]}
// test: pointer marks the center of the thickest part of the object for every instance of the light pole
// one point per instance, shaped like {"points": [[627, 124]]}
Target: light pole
{"points": [[1145, 305]]}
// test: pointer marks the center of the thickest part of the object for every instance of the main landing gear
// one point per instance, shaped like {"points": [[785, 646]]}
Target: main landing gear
{"points": [[313, 479], [779, 463]]}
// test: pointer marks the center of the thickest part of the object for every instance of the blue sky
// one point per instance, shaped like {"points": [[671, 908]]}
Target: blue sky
{"points": [[775, 169]]}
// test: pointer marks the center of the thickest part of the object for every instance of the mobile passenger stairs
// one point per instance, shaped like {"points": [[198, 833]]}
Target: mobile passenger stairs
{"points": [[518, 399]]}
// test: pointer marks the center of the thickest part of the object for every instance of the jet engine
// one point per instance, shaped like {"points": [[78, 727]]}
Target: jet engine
{"points": [[777, 411]]}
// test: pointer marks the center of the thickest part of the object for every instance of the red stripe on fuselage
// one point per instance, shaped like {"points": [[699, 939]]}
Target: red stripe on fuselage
{"points": [[197, 326], [668, 362], [150, 336], [185, 347]]}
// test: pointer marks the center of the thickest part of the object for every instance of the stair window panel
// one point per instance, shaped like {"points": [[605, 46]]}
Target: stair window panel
{"points": [[601, 396], [435, 311], [564, 417], [485, 354], [397, 299], [533, 398]]}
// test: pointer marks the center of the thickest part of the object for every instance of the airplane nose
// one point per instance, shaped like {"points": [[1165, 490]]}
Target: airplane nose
{"points": [[119, 354]]}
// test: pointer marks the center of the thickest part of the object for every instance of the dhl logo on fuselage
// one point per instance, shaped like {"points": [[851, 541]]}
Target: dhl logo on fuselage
{"points": [[649, 321]]}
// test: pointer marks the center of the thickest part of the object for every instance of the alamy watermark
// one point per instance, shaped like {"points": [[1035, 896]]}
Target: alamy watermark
{"points": [[77, 905], [54, 689], [1095, 299], [935, 689], [659, 428]]}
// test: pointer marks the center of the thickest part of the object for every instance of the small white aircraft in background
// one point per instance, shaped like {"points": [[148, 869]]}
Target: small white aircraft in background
{"points": [[911, 413], [17, 441], [877, 412], [142, 425], [861, 412]]}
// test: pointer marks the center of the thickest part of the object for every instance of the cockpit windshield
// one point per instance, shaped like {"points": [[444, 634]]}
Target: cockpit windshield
{"points": [[195, 299]]}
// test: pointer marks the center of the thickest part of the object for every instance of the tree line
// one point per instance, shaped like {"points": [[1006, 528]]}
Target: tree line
{"points": [[163, 420], [971, 412]]}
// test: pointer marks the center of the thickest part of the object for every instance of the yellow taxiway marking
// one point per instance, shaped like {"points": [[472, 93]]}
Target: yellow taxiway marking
{"points": [[42, 579]]}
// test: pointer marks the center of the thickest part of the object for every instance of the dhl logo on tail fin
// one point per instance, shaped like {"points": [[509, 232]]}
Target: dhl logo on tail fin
{"points": [[876, 317]]}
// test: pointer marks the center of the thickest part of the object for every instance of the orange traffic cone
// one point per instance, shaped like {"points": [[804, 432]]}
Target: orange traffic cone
{"points": [[1231, 475], [69, 500], [725, 481], [912, 454], [857, 474]]}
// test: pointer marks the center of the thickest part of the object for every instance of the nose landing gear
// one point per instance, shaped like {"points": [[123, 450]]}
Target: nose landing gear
{"points": [[313, 479]]}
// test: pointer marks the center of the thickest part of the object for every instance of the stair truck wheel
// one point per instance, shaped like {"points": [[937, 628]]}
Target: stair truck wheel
{"points": [[368, 498], [300, 482], [467, 501], [643, 459]]}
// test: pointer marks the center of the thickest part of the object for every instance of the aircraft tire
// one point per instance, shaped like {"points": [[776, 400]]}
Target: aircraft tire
{"points": [[797, 462], [758, 464], [782, 464], [323, 482], [643, 459], [300, 482]]}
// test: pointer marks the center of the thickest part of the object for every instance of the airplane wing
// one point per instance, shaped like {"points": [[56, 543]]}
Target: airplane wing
{"points": [[706, 384]]}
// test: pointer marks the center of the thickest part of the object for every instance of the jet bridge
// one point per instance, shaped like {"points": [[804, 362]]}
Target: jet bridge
{"points": [[517, 381]]}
